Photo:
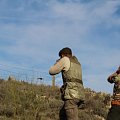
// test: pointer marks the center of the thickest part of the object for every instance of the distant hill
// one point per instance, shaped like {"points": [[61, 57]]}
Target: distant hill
{"points": [[25, 101]]}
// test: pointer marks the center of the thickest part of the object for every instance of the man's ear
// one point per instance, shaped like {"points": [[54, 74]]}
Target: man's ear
{"points": [[62, 56]]}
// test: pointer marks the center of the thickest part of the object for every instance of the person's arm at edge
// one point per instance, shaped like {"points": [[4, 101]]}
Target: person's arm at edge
{"points": [[110, 78]]}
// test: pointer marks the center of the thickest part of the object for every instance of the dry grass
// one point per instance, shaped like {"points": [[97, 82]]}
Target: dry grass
{"points": [[24, 101]]}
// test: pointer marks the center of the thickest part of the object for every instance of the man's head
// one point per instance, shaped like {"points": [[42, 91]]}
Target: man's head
{"points": [[65, 52]]}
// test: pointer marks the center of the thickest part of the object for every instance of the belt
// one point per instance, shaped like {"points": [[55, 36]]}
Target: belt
{"points": [[74, 80], [115, 102]]}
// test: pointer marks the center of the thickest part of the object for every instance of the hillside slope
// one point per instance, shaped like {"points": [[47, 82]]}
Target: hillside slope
{"points": [[24, 101]]}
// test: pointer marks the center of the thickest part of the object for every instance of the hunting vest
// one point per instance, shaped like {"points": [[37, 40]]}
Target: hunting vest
{"points": [[116, 90], [72, 81]]}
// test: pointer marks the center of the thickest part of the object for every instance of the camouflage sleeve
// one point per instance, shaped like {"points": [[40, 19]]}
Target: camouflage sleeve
{"points": [[117, 78], [111, 78]]}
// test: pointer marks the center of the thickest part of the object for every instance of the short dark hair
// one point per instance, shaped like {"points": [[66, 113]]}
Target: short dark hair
{"points": [[65, 51]]}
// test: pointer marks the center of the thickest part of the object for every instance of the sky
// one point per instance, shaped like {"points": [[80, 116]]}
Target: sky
{"points": [[33, 31]]}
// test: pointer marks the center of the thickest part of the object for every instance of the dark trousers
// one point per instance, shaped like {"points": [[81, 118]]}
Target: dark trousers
{"points": [[69, 110], [114, 113]]}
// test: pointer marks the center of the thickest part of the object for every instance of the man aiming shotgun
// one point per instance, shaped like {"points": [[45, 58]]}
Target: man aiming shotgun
{"points": [[72, 91]]}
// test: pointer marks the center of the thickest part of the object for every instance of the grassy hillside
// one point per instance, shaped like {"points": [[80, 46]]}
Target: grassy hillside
{"points": [[24, 101]]}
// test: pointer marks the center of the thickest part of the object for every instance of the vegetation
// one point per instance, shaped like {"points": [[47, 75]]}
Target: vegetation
{"points": [[25, 101]]}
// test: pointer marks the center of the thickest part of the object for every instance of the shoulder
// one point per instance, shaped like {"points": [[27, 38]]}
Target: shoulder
{"points": [[75, 60], [66, 63], [65, 59]]}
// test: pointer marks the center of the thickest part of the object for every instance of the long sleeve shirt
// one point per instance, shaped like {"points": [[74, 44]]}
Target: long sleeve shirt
{"points": [[62, 64]]}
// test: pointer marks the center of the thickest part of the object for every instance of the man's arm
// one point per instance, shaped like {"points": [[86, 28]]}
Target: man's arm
{"points": [[61, 64], [112, 77]]}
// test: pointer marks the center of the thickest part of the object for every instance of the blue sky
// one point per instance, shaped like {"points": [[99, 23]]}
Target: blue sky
{"points": [[33, 31]]}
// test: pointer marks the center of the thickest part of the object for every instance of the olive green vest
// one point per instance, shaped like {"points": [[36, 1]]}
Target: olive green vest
{"points": [[116, 90], [72, 80]]}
